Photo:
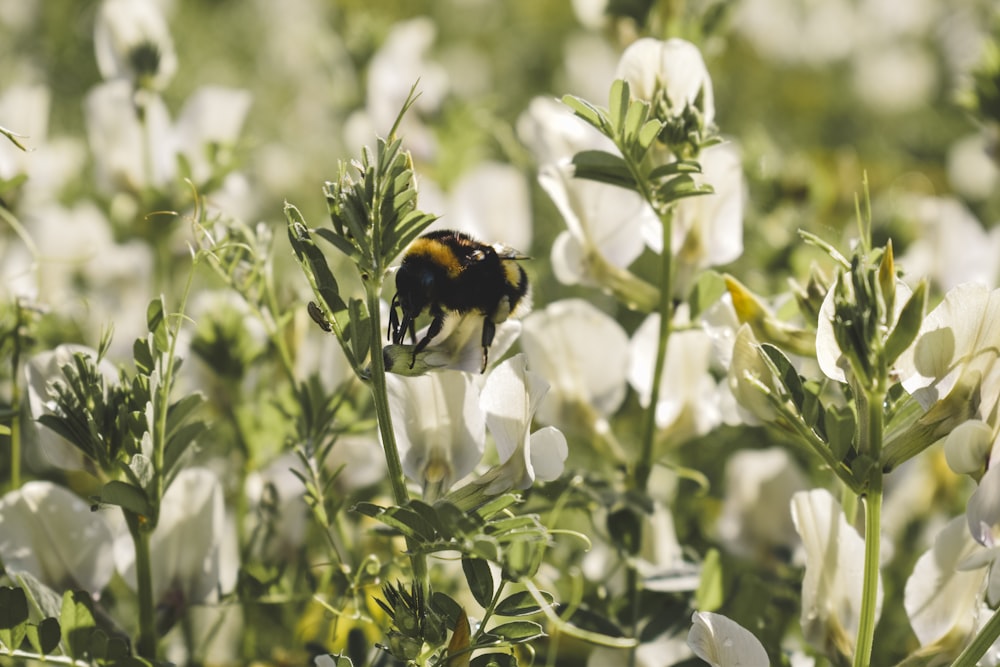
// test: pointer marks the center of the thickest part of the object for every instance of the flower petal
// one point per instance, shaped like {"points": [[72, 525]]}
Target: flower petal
{"points": [[722, 642]]}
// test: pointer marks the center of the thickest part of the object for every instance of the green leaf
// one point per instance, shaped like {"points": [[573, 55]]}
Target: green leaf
{"points": [[648, 133], [314, 264], [839, 425], [785, 372], [446, 606], [453, 521], [127, 497], [680, 187], [156, 324], [522, 603], [13, 616], [45, 636], [339, 660], [711, 592], [358, 330], [618, 103], [603, 167], [708, 288], [588, 112], [77, 623], [494, 660], [675, 168], [635, 119], [518, 632], [144, 362], [477, 573], [907, 325]]}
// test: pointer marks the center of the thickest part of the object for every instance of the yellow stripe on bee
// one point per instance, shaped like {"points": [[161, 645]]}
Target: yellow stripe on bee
{"points": [[512, 272], [438, 253]]}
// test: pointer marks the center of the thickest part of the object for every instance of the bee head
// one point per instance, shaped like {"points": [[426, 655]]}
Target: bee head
{"points": [[414, 284]]}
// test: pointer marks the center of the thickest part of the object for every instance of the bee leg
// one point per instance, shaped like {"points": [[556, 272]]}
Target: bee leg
{"points": [[489, 331], [433, 330]]}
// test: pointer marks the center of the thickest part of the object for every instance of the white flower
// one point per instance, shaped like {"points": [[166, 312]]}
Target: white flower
{"points": [[722, 642], [708, 230], [192, 546], [128, 153], [605, 224], [132, 42], [510, 398], [957, 345], [457, 347], [673, 68], [440, 429], [835, 556], [941, 598], [759, 487], [210, 123], [491, 202], [953, 247], [690, 398], [278, 487], [53, 535], [551, 131], [583, 353]]}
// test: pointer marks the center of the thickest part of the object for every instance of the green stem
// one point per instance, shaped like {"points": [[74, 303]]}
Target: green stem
{"points": [[665, 309], [15, 402], [869, 595], [871, 418], [146, 645], [380, 396], [981, 643]]}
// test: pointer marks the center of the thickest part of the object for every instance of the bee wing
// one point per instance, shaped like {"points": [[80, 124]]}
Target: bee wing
{"points": [[506, 252]]}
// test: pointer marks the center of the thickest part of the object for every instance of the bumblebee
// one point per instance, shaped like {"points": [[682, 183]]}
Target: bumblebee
{"points": [[450, 272]]}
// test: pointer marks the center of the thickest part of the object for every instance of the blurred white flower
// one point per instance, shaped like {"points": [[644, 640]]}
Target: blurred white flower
{"points": [[660, 560], [208, 127], [510, 398], [192, 549], [129, 152], [664, 650], [690, 401], [674, 69], [402, 61], [801, 31], [440, 428], [277, 489], [551, 131], [722, 642], [707, 230], [972, 173], [40, 372], [583, 354], [835, 557], [491, 202], [759, 487], [359, 460], [941, 598], [953, 247], [48, 532], [589, 60], [895, 78], [25, 110], [132, 42]]}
